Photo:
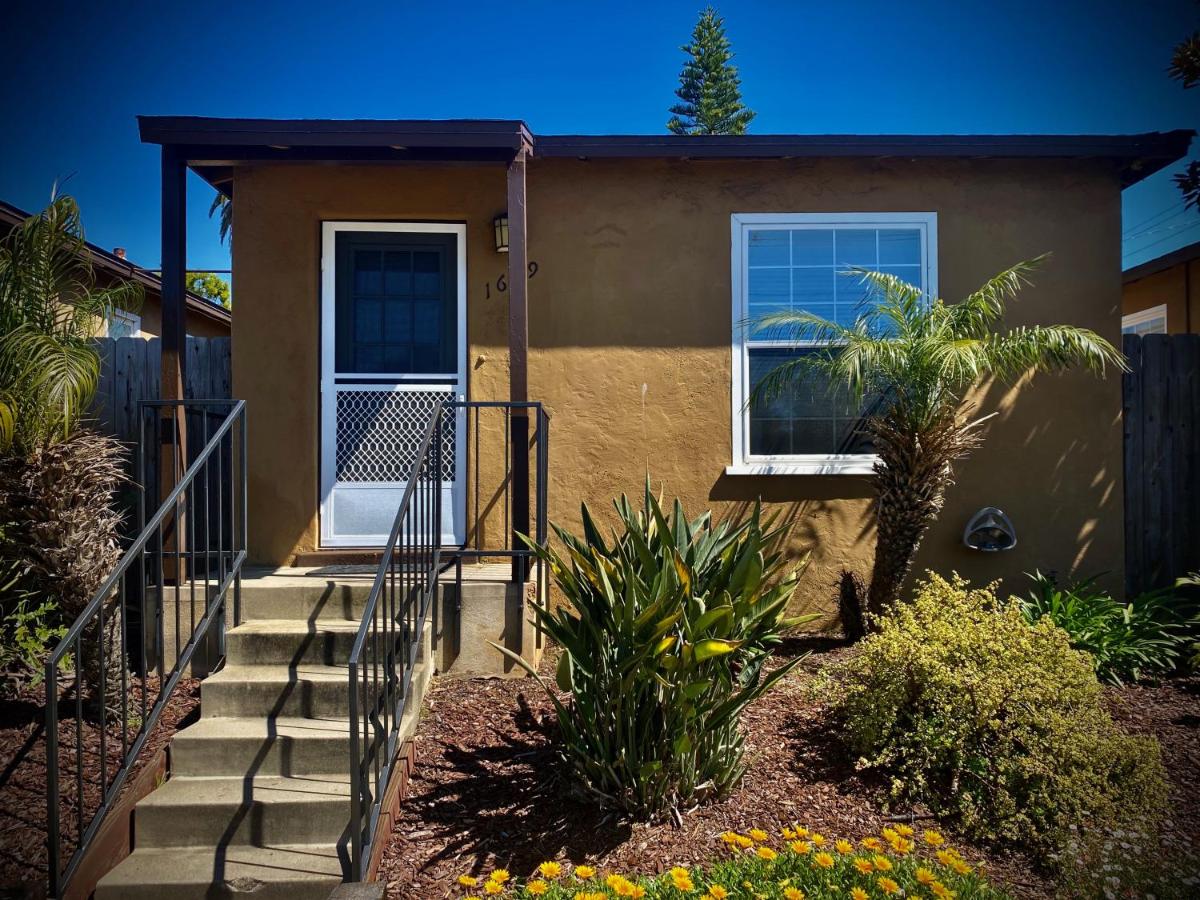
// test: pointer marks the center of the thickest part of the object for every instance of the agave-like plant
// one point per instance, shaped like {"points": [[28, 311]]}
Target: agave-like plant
{"points": [[50, 310], [665, 631], [917, 357]]}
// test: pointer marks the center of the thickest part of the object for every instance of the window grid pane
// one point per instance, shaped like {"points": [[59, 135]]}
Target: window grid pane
{"points": [[809, 419]]}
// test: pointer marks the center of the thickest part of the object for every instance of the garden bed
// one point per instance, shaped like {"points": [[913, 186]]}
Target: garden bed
{"points": [[23, 778], [489, 791]]}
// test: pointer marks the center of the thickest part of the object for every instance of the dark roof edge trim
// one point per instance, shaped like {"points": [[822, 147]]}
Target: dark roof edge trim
{"points": [[1182, 254]]}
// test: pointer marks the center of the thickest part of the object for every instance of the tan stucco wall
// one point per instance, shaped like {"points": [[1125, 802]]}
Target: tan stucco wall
{"points": [[630, 322], [1178, 287]]}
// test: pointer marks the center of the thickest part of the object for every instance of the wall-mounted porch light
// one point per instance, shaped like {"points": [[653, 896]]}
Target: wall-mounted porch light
{"points": [[990, 530], [501, 225]]}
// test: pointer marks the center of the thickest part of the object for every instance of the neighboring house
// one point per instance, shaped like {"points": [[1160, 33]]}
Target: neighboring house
{"points": [[204, 318], [368, 272], [1162, 295]]}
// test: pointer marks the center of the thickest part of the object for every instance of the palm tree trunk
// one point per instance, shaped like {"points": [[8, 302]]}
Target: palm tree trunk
{"points": [[911, 477]]}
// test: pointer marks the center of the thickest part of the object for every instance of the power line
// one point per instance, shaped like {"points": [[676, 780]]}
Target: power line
{"points": [[1169, 212], [1153, 227], [1166, 238]]}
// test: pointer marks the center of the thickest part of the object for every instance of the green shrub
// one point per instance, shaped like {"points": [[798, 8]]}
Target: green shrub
{"points": [[1000, 725], [1126, 641], [664, 633]]}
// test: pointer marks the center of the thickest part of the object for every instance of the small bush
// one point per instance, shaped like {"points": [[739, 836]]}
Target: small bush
{"points": [[795, 865], [991, 721], [1143, 638], [664, 634], [1115, 862]]}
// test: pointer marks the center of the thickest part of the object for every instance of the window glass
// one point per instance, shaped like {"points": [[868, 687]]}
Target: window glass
{"points": [[788, 267]]}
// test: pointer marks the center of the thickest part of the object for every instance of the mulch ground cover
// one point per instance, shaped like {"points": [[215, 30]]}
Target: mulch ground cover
{"points": [[23, 777], [488, 789]]}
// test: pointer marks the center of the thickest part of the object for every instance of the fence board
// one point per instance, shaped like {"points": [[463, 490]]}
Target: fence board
{"points": [[131, 371], [1162, 459]]}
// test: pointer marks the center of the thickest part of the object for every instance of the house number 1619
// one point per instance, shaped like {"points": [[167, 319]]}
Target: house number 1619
{"points": [[502, 281]]}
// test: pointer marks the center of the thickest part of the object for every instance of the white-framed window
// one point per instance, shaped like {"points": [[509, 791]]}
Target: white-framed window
{"points": [[122, 323], [1146, 321], [792, 261]]}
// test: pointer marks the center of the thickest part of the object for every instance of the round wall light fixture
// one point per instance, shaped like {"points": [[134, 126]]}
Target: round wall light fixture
{"points": [[990, 530]]}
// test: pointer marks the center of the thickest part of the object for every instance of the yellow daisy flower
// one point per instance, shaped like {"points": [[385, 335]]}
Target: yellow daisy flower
{"points": [[824, 860], [758, 834], [882, 863], [583, 873], [959, 866], [904, 830], [537, 887], [843, 846], [766, 853], [468, 880], [934, 839], [888, 886], [499, 876], [717, 892], [941, 891], [858, 894], [864, 866], [873, 843], [550, 869], [792, 893], [924, 876], [493, 887], [800, 847], [817, 839]]}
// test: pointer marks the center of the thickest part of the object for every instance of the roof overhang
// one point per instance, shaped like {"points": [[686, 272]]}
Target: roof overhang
{"points": [[1161, 263], [213, 146]]}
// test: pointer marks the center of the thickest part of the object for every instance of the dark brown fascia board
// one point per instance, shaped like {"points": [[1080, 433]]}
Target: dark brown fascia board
{"points": [[511, 134], [122, 268], [1161, 263], [1142, 154]]}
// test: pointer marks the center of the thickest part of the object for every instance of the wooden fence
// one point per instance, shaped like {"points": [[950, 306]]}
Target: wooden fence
{"points": [[132, 371], [1162, 459]]}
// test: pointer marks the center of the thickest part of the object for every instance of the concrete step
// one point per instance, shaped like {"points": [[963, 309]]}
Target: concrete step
{"points": [[291, 641], [262, 811], [291, 872], [253, 747], [302, 690], [292, 594]]}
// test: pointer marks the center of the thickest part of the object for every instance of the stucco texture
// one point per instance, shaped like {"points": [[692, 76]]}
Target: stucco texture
{"points": [[630, 332]]}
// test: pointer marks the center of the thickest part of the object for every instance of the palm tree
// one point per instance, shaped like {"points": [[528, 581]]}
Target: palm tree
{"points": [[224, 205], [50, 310], [917, 357]]}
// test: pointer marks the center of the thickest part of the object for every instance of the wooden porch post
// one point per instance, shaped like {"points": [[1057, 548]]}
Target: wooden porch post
{"points": [[172, 429], [518, 355]]}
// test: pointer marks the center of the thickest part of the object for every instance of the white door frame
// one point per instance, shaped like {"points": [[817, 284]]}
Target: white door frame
{"points": [[454, 511]]}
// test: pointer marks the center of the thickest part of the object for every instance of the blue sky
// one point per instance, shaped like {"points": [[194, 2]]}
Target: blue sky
{"points": [[85, 70]]}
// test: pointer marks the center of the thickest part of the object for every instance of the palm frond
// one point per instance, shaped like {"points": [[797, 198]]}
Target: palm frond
{"points": [[1051, 348], [222, 205], [979, 310]]}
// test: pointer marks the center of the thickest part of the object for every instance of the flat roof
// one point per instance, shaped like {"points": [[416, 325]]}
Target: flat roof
{"points": [[1183, 254], [11, 216], [211, 145]]}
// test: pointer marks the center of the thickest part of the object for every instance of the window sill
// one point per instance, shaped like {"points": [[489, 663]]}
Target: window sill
{"points": [[834, 465]]}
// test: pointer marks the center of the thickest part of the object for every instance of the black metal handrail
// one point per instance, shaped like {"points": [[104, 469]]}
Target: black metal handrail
{"points": [[387, 646], [194, 542]]}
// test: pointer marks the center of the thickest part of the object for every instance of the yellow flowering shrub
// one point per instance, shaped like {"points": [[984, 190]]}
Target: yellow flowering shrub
{"points": [[1000, 725], [742, 871]]}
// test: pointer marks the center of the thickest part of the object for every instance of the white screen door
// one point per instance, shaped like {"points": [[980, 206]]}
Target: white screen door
{"points": [[393, 344]]}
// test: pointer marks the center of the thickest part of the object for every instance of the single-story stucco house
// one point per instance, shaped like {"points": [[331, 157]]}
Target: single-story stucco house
{"points": [[374, 262], [1162, 295]]}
